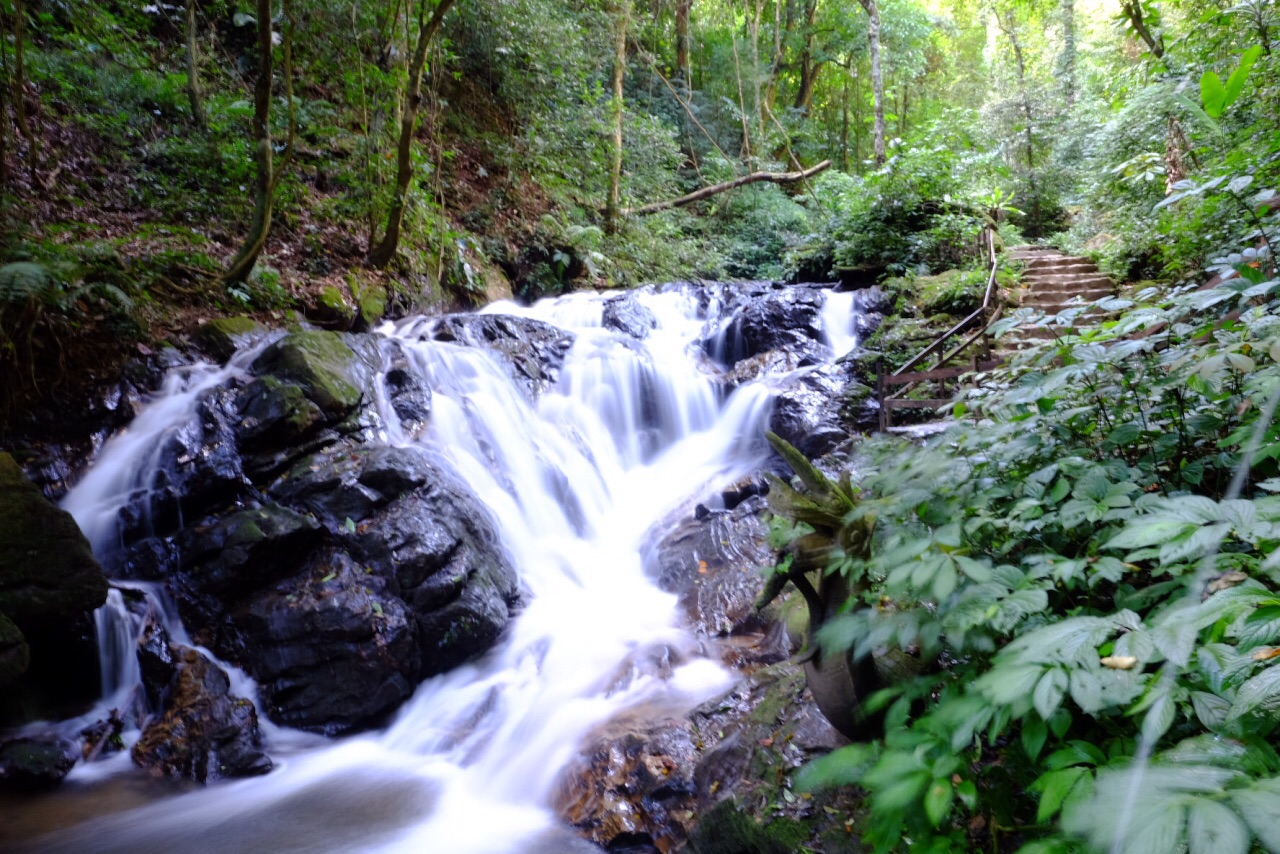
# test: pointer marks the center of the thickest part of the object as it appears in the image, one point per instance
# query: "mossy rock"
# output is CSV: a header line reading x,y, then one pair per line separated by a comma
x,y
726,830
372,305
15,656
322,364
275,412
48,574
332,308
221,338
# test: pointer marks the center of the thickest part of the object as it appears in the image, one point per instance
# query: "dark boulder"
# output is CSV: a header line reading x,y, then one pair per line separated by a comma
x,y
204,732
533,351
15,655
223,336
47,570
35,763
628,315
49,585
818,409
323,364
333,650
789,319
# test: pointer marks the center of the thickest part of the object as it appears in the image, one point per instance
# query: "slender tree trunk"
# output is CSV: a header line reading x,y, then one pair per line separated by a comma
x,y
808,68
757,90
382,254
20,77
844,119
775,66
612,209
193,70
1067,59
877,80
1132,9
857,123
1010,29
683,44
264,177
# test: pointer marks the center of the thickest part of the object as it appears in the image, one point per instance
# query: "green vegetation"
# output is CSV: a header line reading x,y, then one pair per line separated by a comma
x,y
1083,564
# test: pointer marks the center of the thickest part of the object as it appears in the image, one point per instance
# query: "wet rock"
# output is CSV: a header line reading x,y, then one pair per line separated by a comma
x,y
332,309
323,364
15,655
47,570
714,566
230,557
102,737
222,337
49,585
35,763
157,663
439,548
331,648
532,350
819,409
205,732
666,783
410,398
274,413
628,315
759,366
789,320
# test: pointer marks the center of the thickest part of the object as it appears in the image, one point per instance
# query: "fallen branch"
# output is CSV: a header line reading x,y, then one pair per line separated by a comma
x,y
707,192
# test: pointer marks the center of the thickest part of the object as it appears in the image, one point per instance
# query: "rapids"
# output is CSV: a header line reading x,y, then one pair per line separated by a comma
x,y
632,432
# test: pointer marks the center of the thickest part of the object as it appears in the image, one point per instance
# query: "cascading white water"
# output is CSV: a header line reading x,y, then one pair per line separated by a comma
x,y
632,430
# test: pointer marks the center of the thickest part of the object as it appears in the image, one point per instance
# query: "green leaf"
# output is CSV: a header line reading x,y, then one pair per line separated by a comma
x,y
937,801
1213,94
1261,693
1054,788
1212,828
841,767
967,792
1049,692
1075,753
1034,733
349,526
1260,804
1159,716
1235,83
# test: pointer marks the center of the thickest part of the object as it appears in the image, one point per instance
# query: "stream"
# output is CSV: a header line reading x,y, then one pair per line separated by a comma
x,y
632,432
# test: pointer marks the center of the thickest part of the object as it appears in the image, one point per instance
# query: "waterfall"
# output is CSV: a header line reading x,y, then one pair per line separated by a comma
x,y
632,431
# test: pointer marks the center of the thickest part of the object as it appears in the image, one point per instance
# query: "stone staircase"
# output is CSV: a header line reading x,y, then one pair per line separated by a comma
x,y
1050,283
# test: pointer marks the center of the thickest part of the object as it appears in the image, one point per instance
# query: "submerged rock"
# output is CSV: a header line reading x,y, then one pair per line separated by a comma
x,y
204,732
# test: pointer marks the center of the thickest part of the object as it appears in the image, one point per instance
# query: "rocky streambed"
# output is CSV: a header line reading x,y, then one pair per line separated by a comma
x,y
518,551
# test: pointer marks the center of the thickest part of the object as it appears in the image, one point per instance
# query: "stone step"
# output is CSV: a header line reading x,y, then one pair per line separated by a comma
x,y
1074,283
1085,309
1086,296
1061,269
1058,259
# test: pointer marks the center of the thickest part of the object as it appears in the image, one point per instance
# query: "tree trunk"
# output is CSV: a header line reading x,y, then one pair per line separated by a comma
x,y
844,119
20,77
683,45
193,70
1132,9
382,254
1067,59
612,207
264,177
808,68
877,80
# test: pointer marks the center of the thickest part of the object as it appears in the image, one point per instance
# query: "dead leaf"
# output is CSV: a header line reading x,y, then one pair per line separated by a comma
x,y
1119,662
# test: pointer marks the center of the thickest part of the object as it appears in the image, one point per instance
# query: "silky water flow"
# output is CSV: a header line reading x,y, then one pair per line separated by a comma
x,y
632,431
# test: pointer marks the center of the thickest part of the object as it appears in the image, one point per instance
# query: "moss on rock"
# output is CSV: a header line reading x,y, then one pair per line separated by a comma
x,y
322,364
48,574
222,337
15,656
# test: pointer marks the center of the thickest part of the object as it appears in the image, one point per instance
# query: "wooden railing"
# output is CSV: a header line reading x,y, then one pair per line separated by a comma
x,y
892,389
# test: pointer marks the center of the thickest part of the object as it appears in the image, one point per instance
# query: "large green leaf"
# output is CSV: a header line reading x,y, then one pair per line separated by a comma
x,y
1235,83
1213,94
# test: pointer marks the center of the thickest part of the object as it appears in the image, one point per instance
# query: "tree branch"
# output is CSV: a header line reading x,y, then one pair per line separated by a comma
x,y
707,192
